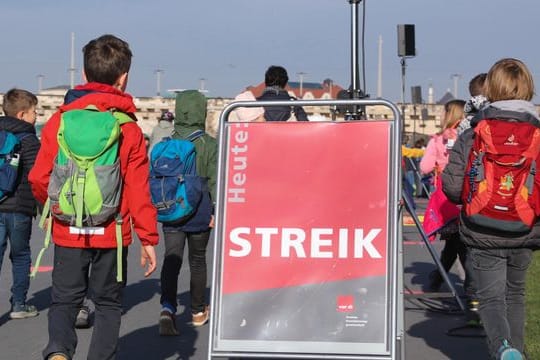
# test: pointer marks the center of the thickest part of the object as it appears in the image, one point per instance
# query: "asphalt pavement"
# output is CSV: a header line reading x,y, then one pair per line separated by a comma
x,y
433,326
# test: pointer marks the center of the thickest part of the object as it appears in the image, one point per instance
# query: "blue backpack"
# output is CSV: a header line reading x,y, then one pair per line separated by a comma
x,y
175,187
9,161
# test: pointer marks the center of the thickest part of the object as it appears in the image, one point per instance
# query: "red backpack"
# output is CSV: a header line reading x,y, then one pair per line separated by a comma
x,y
500,189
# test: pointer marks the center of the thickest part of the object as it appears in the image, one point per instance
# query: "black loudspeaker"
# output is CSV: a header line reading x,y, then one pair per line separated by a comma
x,y
416,94
405,37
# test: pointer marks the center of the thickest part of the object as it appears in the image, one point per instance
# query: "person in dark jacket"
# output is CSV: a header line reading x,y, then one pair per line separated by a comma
x,y
190,117
18,209
498,261
275,80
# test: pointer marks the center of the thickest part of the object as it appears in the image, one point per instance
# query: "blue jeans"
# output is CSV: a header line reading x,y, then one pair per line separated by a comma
x,y
499,276
17,227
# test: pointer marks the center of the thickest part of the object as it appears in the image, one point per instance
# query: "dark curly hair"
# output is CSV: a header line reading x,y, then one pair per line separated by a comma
x,y
276,76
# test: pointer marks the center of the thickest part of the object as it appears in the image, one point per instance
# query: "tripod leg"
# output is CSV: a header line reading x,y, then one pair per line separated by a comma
x,y
417,173
433,253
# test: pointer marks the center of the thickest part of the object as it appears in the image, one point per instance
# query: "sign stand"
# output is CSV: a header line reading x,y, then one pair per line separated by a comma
x,y
308,250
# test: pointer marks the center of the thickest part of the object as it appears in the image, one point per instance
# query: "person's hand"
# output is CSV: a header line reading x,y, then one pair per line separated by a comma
x,y
211,225
148,259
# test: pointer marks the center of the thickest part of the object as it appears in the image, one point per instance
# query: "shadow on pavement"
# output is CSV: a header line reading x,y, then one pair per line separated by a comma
x,y
139,292
420,276
435,328
41,299
146,342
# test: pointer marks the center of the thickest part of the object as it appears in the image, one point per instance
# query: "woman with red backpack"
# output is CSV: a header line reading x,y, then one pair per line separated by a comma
x,y
498,259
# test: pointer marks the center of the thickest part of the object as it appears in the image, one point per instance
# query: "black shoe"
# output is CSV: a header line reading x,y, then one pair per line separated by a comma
x,y
167,324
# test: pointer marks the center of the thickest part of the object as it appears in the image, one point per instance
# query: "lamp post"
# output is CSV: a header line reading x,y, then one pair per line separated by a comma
x,y
202,84
456,78
72,68
40,82
158,73
301,74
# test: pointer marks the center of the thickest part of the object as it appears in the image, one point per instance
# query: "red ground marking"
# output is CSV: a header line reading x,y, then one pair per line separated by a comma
x,y
409,221
43,268
413,242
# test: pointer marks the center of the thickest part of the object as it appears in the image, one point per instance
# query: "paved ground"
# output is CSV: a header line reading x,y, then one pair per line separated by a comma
x,y
427,321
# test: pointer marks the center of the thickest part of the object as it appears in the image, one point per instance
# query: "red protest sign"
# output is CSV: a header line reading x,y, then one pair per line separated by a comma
x,y
305,204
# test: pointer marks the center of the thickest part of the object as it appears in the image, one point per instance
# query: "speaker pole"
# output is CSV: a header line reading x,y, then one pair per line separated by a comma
x,y
403,66
354,91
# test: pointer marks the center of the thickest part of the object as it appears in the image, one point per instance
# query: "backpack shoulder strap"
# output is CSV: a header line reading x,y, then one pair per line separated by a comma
x,y
195,135
122,117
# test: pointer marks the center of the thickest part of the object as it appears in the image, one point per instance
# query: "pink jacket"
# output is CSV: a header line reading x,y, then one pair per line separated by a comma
x,y
437,151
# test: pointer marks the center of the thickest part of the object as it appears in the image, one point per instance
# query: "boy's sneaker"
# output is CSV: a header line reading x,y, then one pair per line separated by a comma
x,y
23,311
82,321
57,356
167,324
506,352
200,318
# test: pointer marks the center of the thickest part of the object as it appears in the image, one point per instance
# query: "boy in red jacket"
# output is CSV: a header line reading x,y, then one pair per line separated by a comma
x,y
87,260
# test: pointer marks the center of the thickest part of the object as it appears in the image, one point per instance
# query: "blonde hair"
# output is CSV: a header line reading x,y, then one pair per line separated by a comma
x,y
454,113
509,79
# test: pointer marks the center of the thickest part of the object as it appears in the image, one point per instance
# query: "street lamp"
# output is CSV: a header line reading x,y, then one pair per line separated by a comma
x,y
456,78
301,74
40,82
202,82
158,73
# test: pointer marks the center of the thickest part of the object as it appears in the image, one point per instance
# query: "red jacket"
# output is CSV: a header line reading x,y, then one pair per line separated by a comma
x,y
136,207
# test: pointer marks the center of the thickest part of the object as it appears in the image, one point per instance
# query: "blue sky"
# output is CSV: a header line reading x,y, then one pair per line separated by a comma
x,y
230,43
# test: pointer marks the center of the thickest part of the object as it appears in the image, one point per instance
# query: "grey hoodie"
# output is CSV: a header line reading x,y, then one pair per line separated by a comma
x,y
163,129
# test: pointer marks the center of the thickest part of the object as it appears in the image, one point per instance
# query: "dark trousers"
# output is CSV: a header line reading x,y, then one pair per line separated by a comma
x,y
453,249
77,271
174,252
499,276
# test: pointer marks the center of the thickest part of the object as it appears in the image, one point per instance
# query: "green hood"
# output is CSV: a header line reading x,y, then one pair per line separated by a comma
x,y
190,112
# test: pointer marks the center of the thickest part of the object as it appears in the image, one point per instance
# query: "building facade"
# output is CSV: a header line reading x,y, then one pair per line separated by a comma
x,y
422,120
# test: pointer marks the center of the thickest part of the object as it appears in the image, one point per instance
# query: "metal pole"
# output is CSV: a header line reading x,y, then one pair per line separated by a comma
x,y
40,82
301,75
379,72
158,73
433,253
355,76
72,63
354,91
456,78
403,66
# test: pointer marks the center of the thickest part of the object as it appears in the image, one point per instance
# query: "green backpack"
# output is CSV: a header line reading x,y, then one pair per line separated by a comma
x,y
86,183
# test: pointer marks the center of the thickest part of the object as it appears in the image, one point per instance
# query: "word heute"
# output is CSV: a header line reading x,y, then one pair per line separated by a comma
x,y
239,148
323,242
